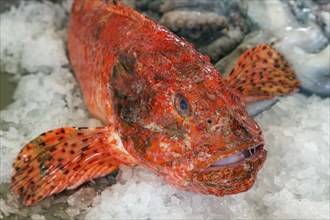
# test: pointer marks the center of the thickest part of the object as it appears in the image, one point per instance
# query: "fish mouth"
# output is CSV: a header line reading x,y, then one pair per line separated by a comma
x,y
236,159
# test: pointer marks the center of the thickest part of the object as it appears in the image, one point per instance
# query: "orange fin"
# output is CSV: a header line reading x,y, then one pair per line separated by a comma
x,y
64,159
262,73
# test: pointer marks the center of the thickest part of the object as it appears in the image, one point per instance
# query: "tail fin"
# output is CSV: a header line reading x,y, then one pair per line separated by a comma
x,y
64,159
262,73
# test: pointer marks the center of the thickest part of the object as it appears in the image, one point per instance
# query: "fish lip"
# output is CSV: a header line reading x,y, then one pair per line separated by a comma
x,y
259,153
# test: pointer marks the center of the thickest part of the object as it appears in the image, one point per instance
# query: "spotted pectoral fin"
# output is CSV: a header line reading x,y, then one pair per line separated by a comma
x,y
64,159
262,73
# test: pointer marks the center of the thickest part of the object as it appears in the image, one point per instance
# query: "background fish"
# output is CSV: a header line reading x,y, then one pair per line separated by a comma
x,y
164,105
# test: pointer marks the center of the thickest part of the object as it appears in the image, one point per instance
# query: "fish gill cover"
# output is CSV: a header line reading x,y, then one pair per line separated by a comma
x,y
293,184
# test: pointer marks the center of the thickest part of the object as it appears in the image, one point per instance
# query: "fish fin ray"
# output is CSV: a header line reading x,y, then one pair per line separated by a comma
x,y
262,73
64,159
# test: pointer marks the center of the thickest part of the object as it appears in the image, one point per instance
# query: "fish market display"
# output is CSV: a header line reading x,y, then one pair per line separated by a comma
x,y
164,105
293,183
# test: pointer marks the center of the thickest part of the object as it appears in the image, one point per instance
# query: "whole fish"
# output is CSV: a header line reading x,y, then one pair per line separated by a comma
x,y
163,104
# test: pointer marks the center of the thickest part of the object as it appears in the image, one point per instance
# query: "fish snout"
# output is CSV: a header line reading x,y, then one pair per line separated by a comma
x,y
240,130
229,126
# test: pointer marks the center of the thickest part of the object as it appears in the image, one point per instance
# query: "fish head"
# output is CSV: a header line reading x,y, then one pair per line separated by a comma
x,y
189,127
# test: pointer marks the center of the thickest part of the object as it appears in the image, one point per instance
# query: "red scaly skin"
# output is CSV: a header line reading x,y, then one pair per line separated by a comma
x,y
131,70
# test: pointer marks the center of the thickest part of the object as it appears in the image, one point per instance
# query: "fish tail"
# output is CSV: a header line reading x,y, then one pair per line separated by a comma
x,y
262,73
64,159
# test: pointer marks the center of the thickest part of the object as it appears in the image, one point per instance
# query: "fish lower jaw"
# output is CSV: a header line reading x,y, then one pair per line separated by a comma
x,y
236,159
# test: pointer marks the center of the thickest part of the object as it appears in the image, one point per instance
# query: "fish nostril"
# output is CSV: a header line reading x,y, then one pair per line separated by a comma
x,y
209,121
215,125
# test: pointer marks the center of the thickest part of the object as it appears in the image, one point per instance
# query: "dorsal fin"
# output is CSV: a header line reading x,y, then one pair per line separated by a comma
x,y
262,73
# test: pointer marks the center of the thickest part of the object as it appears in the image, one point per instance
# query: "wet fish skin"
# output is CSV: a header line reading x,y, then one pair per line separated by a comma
x,y
164,106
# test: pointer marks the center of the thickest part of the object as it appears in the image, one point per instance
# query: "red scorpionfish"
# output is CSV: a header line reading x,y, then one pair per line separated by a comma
x,y
163,104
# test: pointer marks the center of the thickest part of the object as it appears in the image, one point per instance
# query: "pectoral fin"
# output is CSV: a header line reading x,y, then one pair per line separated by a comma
x,y
262,73
64,159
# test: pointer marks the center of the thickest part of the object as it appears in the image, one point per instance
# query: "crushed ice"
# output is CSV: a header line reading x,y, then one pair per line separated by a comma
x,y
294,182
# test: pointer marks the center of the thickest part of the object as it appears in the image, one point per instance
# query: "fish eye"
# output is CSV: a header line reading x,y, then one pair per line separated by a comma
x,y
181,105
